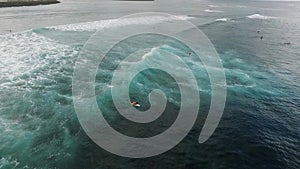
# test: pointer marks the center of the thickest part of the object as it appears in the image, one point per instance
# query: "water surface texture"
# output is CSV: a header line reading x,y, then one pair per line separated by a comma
x,y
260,126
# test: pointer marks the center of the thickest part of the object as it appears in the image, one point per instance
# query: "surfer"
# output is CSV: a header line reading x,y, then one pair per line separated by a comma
x,y
261,37
134,103
189,53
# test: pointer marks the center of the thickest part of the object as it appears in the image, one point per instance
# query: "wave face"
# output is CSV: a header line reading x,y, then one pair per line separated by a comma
x,y
39,127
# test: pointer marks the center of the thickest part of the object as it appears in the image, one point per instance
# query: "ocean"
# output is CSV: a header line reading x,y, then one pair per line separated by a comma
x,y
260,124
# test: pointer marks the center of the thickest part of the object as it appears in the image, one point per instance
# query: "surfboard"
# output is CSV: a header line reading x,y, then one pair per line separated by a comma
x,y
135,105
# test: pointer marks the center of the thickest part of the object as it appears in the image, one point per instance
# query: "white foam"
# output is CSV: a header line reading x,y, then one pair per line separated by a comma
x,y
110,86
149,53
110,23
258,16
213,6
212,11
222,19
8,162
241,86
6,125
27,52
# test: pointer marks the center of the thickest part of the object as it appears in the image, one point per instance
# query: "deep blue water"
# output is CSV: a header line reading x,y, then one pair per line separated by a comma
x,y
259,128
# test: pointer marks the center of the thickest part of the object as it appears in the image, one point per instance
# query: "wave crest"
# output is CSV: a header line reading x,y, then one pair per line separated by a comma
x,y
110,23
212,11
258,16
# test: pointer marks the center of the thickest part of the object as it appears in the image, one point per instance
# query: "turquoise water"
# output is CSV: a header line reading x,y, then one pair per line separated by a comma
x,y
259,128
